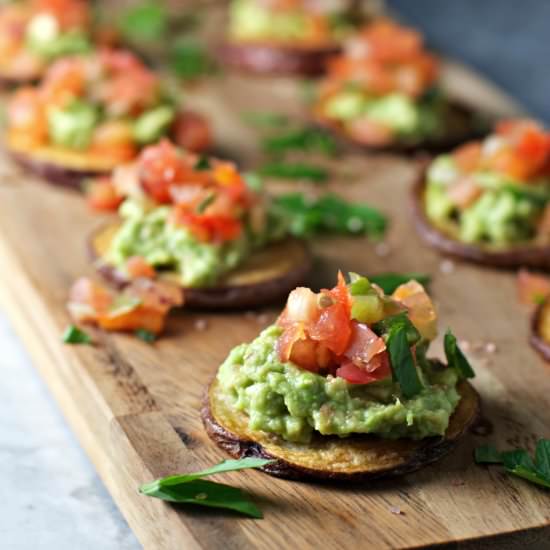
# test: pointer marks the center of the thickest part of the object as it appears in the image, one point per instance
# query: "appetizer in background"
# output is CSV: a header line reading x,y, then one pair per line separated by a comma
x,y
383,92
534,291
340,386
91,113
489,201
282,36
34,33
194,221
142,306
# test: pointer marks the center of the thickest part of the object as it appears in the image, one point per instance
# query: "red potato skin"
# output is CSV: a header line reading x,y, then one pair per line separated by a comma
x,y
272,60
533,256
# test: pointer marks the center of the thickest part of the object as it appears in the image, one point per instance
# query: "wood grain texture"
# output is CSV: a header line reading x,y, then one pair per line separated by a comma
x,y
135,407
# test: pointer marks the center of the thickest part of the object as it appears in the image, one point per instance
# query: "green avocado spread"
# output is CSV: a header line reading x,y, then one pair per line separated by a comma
x,y
294,403
250,21
505,212
148,232
408,118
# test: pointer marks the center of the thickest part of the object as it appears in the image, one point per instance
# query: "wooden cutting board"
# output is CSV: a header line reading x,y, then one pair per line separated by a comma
x,y
135,407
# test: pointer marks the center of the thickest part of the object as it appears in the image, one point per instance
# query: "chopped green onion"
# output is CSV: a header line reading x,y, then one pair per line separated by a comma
x,y
202,164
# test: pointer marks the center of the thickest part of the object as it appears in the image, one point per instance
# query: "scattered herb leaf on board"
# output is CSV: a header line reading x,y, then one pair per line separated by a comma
x,y
192,489
144,22
145,335
301,139
455,358
329,214
189,59
265,120
294,171
74,335
519,462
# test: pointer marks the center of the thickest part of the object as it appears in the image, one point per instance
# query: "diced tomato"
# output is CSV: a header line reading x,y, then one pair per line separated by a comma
x,y
69,13
114,138
391,42
140,317
464,192
65,79
137,266
364,346
333,327
192,132
102,195
468,156
160,166
370,132
159,295
532,288
206,227
420,308
356,375
120,60
87,298
27,116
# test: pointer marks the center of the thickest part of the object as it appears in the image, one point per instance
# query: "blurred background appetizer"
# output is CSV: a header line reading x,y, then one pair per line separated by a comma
x,y
384,92
489,201
287,36
35,32
92,112
194,221
540,329
336,366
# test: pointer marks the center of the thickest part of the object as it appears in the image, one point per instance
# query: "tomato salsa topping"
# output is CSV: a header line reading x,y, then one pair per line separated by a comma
x,y
383,86
108,104
34,32
496,190
342,331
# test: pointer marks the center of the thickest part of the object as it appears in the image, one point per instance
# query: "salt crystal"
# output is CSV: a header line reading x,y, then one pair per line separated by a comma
x,y
201,324
446,266
382,249
397,511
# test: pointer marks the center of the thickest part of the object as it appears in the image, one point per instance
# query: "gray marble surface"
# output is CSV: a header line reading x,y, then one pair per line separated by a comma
x,y
51,497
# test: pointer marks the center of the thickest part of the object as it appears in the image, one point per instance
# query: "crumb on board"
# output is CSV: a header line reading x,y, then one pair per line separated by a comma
x,y
382,249
201,324
446,267
397,511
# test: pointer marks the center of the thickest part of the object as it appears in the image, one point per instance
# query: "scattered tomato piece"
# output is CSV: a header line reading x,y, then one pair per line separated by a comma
x,y
102,195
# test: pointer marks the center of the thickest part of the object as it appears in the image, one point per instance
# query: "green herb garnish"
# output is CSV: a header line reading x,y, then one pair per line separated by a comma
x,y
145,22
519,462
202,164
74,335
145,335
266,120
302,139
189,60
388,282
455,358
386,325
329,214
192,489
402,360
295,171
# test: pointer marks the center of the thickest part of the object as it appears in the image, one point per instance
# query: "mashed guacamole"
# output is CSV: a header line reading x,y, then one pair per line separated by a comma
x,y
292,402
146,231
505,212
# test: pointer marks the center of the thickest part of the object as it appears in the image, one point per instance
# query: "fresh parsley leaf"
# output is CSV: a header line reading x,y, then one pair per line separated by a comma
x,y
518,462
455,358
266,120
402,361
294,171
145,335
74,335
487,454
202,164
189,59
191,489
542,457
329,214
301,139
145,22
388,282
385,326
208,493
